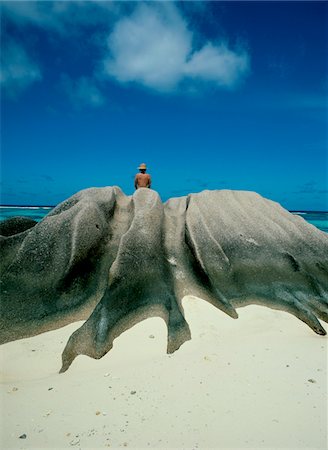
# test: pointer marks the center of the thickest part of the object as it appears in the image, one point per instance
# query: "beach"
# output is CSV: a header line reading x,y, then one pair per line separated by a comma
x,y
163,225
256,382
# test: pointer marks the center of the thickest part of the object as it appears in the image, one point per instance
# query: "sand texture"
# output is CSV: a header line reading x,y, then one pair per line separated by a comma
x,y
104,271
256,382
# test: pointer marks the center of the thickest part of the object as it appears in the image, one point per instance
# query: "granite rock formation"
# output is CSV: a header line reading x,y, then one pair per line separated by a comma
x,y
16,225
116,260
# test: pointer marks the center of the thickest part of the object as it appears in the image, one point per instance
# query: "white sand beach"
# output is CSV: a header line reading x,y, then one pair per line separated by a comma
x,y
256,382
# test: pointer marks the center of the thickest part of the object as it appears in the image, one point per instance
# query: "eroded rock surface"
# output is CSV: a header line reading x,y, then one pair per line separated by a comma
x,y
115,260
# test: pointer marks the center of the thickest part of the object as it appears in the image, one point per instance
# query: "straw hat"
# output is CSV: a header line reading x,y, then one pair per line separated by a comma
x,y
142,166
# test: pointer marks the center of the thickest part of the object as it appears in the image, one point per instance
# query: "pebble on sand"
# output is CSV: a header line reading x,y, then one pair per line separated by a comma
x,y
75,441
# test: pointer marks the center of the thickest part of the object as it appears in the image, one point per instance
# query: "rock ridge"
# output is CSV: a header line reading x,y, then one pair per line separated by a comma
x,y
115,260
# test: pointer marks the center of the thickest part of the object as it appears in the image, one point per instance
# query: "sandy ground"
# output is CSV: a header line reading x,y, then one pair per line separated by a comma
x,y
256,382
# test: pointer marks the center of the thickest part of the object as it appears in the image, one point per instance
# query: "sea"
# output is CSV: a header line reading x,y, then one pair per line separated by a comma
x,y
317,218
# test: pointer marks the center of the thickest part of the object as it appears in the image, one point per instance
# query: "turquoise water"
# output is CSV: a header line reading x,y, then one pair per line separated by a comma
x,y
316,218
33,212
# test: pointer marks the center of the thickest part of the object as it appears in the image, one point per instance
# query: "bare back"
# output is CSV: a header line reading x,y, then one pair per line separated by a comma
x,y
142,180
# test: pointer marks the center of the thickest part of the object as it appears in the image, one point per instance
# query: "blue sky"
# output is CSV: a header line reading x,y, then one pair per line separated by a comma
x,y
210,95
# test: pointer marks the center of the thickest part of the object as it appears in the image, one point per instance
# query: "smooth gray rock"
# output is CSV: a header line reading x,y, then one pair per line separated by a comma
x,y
116,260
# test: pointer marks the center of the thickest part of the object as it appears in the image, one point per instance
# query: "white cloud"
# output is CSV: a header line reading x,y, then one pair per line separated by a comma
x,y
38,13
64,17
149,47
17,71
82,92
154,47
218,64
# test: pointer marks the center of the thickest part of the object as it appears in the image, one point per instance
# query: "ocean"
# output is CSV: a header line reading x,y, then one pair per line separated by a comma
x,y
32,212
317,218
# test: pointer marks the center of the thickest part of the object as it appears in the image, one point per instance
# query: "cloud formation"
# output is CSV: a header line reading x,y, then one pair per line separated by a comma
x,y
149,44
218,64
17,70
154,47
82,92
63,17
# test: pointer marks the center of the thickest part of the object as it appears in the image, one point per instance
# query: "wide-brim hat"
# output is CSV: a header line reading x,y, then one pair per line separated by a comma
x,y
142,166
